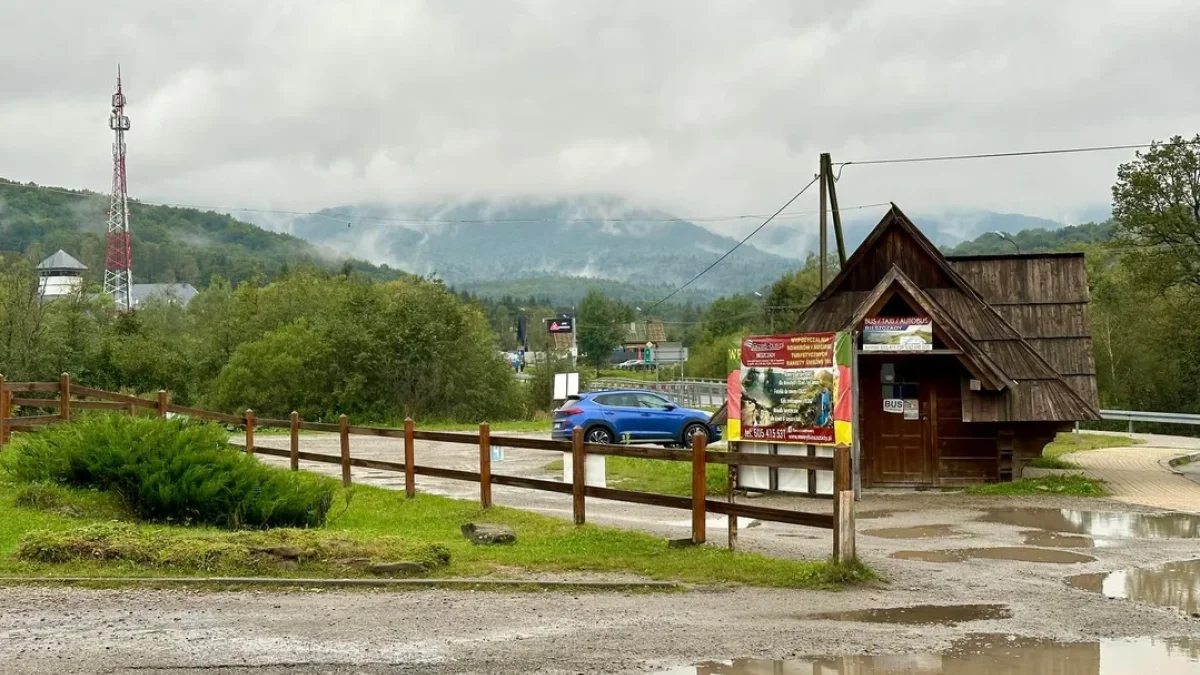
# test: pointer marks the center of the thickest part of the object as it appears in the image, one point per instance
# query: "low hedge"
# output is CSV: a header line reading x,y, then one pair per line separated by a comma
x,y
169,471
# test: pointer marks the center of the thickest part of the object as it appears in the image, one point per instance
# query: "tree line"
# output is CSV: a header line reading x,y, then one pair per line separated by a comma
x,y
304,337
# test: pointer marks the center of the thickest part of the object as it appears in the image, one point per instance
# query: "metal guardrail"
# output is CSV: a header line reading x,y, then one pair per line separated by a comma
x,y
1132,416
693,393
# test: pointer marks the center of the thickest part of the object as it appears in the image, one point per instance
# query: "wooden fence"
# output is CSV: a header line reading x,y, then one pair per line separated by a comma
x,y
24,395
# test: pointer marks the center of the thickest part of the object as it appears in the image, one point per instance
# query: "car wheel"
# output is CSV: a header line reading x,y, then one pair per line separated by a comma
x,y
692,431
598,435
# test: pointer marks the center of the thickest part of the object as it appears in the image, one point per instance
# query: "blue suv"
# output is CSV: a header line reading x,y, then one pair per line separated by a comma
x,y
631,417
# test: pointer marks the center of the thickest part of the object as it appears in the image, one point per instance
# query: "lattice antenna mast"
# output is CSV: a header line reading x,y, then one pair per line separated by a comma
x,y
118,259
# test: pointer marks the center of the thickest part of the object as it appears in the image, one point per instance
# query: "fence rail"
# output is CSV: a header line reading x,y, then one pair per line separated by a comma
x,y
699,457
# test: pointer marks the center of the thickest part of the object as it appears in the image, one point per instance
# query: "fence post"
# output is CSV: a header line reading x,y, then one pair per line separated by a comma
x,y
1131,426
732,486
344,429
843,506
64,397
410,483
295,438
699,486
4,413
485,465
578,470
249,432
133,410
162,403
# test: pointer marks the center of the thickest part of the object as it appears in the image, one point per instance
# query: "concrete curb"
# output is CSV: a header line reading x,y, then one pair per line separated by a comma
x,y
452,584
1169,465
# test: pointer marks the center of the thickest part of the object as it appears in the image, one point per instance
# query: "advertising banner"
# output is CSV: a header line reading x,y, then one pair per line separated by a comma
x,y
563,324
898,334
795,389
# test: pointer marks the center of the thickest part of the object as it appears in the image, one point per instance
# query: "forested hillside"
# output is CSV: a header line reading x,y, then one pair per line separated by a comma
x,y
1035,240
169,244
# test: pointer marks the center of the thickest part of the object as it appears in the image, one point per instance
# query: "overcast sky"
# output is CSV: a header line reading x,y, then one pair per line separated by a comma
x,y
701,108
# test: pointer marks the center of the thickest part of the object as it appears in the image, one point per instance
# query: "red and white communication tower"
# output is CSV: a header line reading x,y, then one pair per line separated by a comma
x,y
118,260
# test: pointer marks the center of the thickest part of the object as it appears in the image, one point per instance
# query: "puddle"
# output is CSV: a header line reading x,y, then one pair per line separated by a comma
x,y
940,615
918,532
870,515
1017,553
1105,524
1175,584
989,655
1057,540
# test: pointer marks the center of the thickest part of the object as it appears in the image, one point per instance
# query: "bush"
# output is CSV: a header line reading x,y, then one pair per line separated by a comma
x,y
165,548
170,471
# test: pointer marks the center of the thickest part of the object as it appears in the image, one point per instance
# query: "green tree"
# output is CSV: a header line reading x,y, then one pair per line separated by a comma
x,y
791,295
602,324
1156,209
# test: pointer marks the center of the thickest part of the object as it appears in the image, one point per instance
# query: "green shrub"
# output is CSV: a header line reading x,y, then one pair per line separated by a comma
x,y
1051,463
208,551
170,471
39,496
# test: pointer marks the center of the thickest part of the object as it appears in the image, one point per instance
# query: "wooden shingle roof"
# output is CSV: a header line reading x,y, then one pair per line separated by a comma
x,y
1025,315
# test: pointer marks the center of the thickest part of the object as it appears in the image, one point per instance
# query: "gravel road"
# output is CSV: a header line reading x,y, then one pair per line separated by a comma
x,y
68,630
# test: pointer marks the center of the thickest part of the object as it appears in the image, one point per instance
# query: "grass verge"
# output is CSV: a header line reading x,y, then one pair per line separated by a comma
x,y
74,529
1074,486
1068,442
656,475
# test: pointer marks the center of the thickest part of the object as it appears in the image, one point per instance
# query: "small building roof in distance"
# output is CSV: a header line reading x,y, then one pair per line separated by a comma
x,y
61,261
181,293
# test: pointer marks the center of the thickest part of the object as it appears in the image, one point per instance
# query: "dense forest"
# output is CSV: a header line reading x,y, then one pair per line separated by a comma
x,y
1069,238
169,244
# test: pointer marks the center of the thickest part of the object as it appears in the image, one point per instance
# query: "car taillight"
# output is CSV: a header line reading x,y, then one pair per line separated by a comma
x,y
567,412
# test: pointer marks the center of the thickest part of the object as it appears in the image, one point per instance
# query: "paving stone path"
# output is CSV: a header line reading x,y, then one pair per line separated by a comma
x,y
1138,475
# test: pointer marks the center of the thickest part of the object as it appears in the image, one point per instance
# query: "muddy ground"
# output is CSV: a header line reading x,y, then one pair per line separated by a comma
x,y
62,631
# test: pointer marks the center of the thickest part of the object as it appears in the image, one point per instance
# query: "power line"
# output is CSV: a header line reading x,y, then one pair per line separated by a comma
x,y
735,246
1024,153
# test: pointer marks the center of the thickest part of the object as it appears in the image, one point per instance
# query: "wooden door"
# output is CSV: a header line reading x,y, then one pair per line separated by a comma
x,y
896,442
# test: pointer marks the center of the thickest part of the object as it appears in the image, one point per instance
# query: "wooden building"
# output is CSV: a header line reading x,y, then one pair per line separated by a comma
x,y
1010,363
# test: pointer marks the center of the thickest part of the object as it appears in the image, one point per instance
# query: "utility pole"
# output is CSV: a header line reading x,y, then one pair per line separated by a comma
x,y
831,186
824,222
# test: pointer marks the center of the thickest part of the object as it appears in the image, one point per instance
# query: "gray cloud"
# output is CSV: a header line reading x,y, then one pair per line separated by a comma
x,y
699,108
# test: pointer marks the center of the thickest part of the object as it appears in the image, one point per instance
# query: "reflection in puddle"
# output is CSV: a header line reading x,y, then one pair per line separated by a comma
x,y
1017,553
942,615
990,655
919,532
1057,539
1175,584
1113,525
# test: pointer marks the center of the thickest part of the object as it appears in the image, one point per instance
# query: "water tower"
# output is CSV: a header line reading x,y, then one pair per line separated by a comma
x,y
60,275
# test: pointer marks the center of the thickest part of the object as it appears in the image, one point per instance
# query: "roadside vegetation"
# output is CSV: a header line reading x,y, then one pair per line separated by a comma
x,y
1068,442
1071,486
75,519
